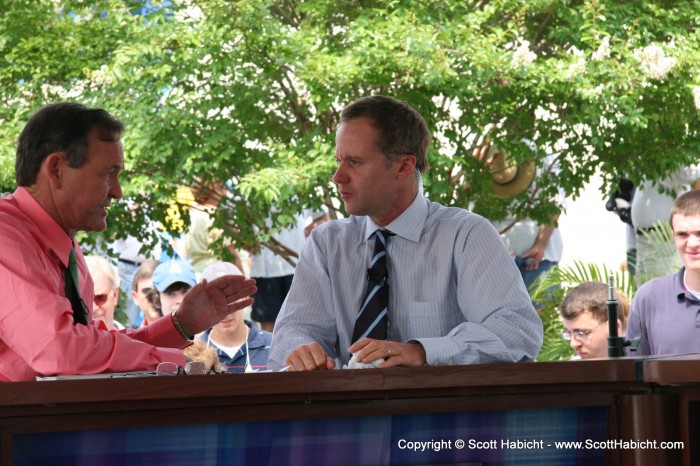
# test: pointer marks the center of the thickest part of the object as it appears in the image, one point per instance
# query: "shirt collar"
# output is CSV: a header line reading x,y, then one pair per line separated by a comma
x,y
408,225
255,338
679,285
52,234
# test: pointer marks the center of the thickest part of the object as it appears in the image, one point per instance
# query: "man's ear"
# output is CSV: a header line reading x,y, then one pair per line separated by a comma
x,y
408,165
54,167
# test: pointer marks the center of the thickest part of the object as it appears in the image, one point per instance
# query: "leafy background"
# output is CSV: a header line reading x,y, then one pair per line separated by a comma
x,y
250,91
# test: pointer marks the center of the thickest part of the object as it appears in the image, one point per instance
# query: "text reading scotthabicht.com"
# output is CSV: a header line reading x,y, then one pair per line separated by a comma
x,y
472,444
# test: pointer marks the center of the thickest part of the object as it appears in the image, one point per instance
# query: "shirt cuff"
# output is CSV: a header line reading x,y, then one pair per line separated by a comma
x,y
163,333
438,351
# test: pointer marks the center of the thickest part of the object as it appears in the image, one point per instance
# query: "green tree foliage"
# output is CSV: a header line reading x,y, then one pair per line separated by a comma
x,y
250,91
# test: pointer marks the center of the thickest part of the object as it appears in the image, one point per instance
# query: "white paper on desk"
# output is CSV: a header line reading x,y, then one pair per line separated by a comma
x,y
353,364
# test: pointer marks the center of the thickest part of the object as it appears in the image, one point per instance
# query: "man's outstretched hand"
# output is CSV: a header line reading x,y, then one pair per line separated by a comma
x,y
207,303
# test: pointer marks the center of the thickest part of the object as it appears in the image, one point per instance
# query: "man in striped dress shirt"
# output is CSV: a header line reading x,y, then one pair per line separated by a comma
x,y
455,295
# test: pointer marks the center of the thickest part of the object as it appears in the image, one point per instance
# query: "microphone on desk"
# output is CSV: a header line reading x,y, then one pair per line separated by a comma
x,y
616,344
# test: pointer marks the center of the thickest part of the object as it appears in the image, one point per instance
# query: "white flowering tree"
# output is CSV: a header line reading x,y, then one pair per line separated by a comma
x,y
251,91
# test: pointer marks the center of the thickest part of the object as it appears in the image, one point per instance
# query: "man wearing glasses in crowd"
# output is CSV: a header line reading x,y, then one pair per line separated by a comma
x,y
584,314
106,281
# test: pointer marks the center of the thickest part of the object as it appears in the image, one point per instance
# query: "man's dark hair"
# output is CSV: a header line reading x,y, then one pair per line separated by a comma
x,y
153,297
178,286
61,127
400,129
592,296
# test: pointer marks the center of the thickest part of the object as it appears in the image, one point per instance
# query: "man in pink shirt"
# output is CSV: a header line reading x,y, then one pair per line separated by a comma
x,y
67,168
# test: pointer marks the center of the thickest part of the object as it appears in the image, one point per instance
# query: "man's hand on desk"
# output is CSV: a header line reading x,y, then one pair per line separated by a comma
x,y
393,352
312,357
309,357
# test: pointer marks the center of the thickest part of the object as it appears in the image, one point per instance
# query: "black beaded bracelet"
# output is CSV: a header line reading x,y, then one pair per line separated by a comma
x,y
177,325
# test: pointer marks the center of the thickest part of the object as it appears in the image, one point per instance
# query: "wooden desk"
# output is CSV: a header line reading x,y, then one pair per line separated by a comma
x,y
617,387
678,377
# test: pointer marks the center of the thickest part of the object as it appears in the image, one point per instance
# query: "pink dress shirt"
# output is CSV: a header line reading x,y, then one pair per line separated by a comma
x,y
37,334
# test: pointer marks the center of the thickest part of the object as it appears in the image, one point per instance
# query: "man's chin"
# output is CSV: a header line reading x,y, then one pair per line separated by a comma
x,y
355,210
691,264
100,225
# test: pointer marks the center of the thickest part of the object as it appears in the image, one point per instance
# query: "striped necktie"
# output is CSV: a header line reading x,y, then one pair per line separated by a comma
x,y
373,317
80,311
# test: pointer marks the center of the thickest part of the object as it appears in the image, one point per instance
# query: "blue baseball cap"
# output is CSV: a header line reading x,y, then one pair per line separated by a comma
x,y
171,272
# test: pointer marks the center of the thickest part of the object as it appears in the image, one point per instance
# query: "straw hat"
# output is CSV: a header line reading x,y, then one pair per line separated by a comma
x,y
509,179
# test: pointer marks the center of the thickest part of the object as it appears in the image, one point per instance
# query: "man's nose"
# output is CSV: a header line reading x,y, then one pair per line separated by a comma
x,y
339,176
694,240
115,191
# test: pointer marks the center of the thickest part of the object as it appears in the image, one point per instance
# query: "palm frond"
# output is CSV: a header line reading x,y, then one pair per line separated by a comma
x,y
569,276
661,239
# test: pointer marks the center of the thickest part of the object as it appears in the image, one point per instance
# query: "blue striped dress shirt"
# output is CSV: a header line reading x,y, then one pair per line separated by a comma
x,y
452,286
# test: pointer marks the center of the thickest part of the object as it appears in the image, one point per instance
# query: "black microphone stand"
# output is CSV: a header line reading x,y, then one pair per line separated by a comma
x,y
616,344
